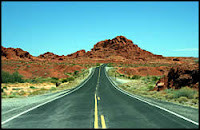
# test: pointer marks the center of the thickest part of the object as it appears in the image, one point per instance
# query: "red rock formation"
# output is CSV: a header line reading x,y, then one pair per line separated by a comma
x,y
48,55
180,76
12,53
77,54
120,46
118,49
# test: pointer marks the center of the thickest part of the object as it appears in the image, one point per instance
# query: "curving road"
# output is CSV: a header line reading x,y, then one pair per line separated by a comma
x,y
96,104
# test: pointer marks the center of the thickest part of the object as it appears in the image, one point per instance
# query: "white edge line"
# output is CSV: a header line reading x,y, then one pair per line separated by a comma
x,y
45,102
196,123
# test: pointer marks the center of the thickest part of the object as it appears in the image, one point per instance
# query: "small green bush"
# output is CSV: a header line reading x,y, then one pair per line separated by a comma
x,y
97,64
121,75
182,99
67,79
110,64
194,101
43,80
32,87
184,92
136,77
6,77
15,88
52,88
54,78
40,91
76,72
169,96
5,88
155,78
12,95
169,91
150,87
64,80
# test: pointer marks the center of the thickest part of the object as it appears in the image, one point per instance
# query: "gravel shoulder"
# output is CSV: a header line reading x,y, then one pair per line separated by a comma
x,y
186,111
13,106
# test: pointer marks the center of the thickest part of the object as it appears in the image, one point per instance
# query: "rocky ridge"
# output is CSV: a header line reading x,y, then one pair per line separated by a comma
x,y
119,47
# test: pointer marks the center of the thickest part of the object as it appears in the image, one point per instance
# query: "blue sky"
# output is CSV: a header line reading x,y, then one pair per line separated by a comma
x,y
164,28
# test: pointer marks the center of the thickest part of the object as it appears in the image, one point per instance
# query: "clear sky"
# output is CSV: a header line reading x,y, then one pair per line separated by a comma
x,y
164,28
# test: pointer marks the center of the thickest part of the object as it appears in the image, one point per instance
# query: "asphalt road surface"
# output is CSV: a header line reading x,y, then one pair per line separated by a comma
x,y
97,104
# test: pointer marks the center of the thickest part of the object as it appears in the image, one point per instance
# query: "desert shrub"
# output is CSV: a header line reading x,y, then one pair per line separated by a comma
x,y
76,72
32,87
15,88
70,79
54,78
54,81
17,77
39,80
6,77
22,92
42,80
182,99
194,101
68,73
143,92
3,95
97,64
5,88
169,91
67,79
136,77
150,87
12,95
169,96
196,96
40,91
64,80
110,64
52,88
146,79
121,75
150,79
184,92
155,78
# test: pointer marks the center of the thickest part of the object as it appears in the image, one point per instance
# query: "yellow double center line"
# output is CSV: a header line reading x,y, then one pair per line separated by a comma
x,y
96,125
103,124
96,114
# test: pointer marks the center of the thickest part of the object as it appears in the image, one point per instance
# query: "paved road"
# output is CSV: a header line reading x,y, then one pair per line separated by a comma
x,y
97,104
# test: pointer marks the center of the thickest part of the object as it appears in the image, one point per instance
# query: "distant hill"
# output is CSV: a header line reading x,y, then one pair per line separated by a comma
x,y
117,48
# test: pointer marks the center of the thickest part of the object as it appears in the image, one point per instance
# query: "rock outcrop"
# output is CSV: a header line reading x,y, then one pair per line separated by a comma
x,y
180,76
51,56
120,46
12,53
77,54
